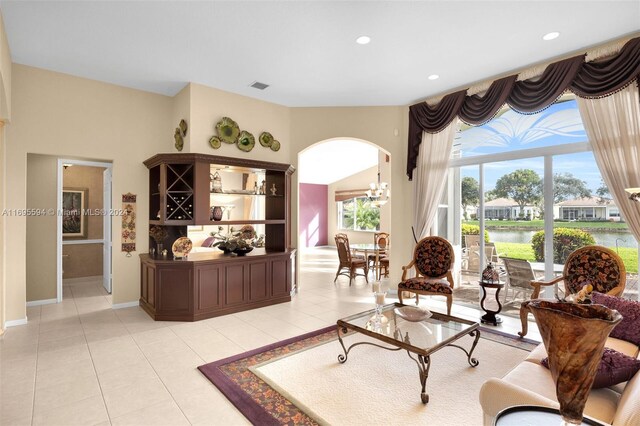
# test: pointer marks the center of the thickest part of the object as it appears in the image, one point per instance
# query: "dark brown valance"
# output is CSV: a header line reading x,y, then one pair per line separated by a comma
x,y
478,109
531,96
588,80
348,194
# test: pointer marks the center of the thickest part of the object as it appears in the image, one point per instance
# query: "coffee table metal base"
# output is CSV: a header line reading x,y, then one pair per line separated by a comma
x,y
422,361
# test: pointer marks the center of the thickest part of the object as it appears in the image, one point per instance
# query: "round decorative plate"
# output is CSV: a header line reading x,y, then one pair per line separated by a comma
x,y
275,146
215,142
183,127
412,313
181,247
179,141
266,139
246,141
227,130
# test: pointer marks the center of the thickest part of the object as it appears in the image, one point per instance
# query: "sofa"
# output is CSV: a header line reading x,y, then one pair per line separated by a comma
x,y
530,383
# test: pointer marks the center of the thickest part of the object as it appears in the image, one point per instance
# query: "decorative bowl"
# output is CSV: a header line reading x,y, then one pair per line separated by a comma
x,y
242,251
412,313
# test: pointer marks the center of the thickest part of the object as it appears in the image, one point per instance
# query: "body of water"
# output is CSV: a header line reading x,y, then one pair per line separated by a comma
x,y
607,239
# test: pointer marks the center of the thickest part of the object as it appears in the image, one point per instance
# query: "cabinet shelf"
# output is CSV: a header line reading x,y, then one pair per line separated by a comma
x,y
248,222
235,194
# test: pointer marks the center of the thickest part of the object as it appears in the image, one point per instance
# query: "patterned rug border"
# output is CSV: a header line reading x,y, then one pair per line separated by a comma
x,y
261,404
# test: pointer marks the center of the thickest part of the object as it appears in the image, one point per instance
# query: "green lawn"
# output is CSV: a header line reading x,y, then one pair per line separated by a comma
x,y
539,224
524,251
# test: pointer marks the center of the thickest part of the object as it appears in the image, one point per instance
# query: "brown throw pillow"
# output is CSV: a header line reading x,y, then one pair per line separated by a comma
x,y
615,367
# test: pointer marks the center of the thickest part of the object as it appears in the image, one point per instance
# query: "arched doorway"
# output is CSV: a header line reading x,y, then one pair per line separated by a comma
x,y
333,175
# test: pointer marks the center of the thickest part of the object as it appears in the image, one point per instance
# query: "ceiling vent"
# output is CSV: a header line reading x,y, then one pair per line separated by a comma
x,y
258,85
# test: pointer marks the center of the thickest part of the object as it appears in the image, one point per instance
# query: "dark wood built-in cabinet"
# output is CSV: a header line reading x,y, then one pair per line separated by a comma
x,y
213,283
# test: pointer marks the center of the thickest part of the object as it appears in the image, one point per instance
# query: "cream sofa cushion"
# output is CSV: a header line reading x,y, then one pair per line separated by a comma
x,y
628,413
626,348
533,377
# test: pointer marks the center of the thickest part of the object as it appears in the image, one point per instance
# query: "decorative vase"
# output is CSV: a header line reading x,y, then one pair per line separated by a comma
x,y
159,248
216,213
574,336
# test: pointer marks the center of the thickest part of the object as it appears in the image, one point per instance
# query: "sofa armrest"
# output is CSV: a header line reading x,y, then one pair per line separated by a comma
x,y
497,394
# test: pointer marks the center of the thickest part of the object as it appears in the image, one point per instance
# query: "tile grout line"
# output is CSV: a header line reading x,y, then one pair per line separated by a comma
x,y
158,375
35,374
84,334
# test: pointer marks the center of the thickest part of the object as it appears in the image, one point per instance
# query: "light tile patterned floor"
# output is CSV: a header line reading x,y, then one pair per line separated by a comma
x,y
81,363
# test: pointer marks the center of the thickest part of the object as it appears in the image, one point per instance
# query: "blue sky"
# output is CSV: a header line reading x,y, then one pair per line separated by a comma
x,y
558,124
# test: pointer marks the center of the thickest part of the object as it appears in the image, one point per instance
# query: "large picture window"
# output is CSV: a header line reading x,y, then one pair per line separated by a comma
x,y
358,214
520,179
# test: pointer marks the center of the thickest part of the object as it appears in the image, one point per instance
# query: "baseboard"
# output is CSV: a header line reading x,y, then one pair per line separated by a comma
x,y
41,302
125,305
14,323
81,279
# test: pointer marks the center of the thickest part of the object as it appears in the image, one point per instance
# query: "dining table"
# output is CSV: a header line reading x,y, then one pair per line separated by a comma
x,y
374,249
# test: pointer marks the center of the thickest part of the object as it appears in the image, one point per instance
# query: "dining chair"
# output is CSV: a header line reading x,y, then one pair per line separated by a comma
x,y
353,252
347,263
380,239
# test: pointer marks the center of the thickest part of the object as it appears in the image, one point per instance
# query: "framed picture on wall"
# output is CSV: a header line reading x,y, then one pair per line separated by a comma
x,y
74,205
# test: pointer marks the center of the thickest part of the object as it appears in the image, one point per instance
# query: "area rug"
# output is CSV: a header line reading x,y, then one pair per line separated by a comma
x,y
299,381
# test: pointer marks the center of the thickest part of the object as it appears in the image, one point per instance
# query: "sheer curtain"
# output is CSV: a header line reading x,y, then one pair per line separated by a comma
x,y
613,127
430,176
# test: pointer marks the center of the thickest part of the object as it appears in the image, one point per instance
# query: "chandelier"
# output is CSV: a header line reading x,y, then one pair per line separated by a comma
x,y
378,192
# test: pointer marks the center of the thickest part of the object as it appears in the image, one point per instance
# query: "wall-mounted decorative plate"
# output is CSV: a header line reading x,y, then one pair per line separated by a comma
x,y
246,141
183,127
215,142
179,140
266,139
275,146
227,130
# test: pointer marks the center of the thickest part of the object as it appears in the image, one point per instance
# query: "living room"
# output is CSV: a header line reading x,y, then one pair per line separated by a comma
x,y
109,82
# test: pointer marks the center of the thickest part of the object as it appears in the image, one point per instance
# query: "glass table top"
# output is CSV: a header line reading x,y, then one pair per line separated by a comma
x,y
426,335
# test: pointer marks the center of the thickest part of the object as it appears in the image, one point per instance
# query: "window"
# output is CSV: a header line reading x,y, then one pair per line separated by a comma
x,y
358,214
527,175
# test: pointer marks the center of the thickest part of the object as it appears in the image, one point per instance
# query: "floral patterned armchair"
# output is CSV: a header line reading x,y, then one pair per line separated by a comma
x,y
433,259
596,265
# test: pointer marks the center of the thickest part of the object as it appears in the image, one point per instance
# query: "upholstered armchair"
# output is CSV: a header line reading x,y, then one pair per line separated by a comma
x,y
433,260
596,265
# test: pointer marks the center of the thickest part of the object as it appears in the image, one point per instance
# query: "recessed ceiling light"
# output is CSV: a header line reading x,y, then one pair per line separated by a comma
x,y
551,36
363,39
433,77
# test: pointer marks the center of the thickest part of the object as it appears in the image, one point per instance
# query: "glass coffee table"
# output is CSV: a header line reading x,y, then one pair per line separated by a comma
x,y
420,338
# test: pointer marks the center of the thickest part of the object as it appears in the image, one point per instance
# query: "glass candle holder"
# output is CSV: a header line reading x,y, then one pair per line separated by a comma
x,y
380,296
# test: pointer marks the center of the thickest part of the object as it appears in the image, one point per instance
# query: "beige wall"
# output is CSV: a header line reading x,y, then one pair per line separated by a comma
x,y
181,110
41,230
3,268
84,260
379,126
65,116
209,105
61,115
5,115
81,260
5,74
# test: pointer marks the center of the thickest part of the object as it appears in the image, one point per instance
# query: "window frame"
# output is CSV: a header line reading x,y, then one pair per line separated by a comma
x,y
339,215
